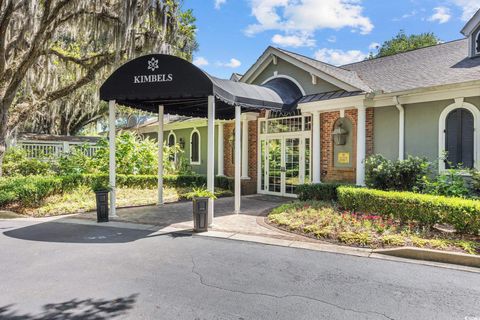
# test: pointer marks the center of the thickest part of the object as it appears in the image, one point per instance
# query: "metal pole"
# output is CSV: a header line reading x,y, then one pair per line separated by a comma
x,y
160,154
211,156
112,160
220,151
238,169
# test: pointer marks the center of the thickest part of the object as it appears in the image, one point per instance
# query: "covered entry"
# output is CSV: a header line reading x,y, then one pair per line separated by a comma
x,y
167,84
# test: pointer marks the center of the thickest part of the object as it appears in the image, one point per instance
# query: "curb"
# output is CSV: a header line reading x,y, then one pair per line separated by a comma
x,y
429,257
462,259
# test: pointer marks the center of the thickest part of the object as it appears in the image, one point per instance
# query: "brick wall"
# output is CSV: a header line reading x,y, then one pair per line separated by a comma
x,y
248,186
329,172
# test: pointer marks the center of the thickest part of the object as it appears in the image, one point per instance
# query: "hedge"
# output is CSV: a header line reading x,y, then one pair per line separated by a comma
x,y
427,210
318,192
31,190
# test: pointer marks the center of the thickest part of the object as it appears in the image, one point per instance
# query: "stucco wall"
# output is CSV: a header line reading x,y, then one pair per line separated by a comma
x,y
421,129
386,132
185,134
303,77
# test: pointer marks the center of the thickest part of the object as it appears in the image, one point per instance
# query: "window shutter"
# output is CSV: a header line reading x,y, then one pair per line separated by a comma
x,y
459,138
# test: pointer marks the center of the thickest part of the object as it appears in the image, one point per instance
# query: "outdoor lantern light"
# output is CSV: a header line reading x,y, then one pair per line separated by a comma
x,y
181,142
340,135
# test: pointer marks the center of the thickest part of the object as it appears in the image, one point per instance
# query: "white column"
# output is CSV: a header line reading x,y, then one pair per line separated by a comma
x,y
160,154
361,144
220,151
245,148
316,148
211,156
238,188
401,132
112,161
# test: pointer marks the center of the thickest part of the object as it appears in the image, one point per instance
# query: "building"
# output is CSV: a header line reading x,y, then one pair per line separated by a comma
x,y
424,102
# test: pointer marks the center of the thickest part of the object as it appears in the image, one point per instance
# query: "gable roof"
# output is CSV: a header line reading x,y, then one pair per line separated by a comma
x,y
471,25
336,72
344,79
442,64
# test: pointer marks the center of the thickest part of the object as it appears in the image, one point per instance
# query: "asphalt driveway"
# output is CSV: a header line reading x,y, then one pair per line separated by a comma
x,y
55,270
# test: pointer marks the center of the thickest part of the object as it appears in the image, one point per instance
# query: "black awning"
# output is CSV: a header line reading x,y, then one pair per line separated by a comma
x,y
183,89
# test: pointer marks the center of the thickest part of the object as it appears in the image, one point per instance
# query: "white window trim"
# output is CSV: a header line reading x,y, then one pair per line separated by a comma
x,y
199,147
286,77
174,142
459,103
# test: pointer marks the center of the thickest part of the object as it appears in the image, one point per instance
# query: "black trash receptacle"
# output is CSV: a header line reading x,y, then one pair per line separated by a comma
x,y
102,205
200,214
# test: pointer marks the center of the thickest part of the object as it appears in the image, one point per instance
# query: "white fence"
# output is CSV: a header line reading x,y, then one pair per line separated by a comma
x,y
41,150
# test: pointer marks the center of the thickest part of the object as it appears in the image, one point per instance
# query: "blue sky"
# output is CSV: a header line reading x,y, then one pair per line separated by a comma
x,y
233,33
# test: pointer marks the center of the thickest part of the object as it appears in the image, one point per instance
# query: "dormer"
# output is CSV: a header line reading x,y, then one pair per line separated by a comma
x,y
472,32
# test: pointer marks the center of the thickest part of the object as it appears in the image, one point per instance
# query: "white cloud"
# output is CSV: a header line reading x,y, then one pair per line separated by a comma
x,y
469,7
374,46
200,61
293,17
440,15
299,40
339,57
332,39
233,63
219,3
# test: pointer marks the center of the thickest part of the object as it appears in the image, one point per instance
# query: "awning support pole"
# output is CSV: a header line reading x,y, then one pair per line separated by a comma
x,y
211,156
112,161
160,154
245,148
238,168
220,150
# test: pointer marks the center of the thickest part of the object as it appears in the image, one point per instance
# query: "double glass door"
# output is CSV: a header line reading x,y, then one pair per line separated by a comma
x,y
284,164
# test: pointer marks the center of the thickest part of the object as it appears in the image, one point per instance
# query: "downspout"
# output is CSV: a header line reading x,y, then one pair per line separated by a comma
x,y
401,128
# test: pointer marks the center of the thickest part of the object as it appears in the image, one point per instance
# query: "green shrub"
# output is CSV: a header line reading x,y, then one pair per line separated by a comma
x,y
401,175
16,163
451,184
28,190
427,210
318,192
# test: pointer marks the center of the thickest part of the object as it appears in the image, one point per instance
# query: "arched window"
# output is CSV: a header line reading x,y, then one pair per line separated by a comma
x,y
459,139
171,141
477,43
195,147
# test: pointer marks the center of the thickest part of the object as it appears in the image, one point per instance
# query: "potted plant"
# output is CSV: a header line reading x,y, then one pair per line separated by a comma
x,y
200,197
101,189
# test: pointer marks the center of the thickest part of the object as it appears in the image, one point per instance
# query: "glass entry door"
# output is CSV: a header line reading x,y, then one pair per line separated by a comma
x,y
284,165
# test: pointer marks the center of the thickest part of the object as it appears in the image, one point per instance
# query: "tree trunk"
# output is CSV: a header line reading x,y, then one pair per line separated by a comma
x,y
3,134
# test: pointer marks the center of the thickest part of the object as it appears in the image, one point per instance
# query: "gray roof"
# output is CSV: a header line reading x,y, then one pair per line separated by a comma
x,y
343,75
446,63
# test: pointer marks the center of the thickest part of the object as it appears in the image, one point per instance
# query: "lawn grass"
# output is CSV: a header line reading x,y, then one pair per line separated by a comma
x,y
83,200
322,220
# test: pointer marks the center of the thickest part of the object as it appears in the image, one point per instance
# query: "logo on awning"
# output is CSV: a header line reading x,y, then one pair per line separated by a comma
x,y
153,64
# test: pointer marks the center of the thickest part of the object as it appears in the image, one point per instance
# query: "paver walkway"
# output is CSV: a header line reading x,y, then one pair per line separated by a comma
x,y
179,215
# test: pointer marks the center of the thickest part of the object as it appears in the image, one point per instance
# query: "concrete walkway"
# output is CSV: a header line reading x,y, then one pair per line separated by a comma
x,y
179,215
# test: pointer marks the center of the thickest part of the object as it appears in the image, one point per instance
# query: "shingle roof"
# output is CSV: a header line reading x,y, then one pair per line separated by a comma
x,y
446,63
343,75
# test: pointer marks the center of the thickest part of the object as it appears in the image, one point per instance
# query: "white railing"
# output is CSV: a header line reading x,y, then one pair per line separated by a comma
x,y
42,150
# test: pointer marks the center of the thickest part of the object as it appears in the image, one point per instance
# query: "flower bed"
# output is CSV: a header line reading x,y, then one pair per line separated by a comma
x,y
324,221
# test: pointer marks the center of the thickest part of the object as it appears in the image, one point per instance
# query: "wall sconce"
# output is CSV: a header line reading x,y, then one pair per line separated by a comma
x,y
340,135
181,142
